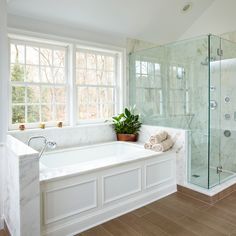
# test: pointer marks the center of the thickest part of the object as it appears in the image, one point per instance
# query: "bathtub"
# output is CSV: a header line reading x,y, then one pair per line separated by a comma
x,y
85,186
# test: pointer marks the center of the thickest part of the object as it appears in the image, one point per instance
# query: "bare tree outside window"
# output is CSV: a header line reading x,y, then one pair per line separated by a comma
x,y
38,82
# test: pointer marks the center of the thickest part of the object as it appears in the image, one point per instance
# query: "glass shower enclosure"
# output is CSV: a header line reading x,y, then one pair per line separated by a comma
x,y
190,85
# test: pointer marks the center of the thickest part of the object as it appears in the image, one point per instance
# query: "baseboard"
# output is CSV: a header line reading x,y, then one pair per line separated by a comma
x,y
81,224
206,198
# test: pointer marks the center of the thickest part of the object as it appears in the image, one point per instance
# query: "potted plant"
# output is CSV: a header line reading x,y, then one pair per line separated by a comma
x,y
127,125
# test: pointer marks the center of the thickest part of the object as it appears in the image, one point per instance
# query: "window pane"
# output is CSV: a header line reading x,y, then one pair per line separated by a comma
x,y
33,114
18,94
47,113
32,55
110,63
92,112
42,64
111,78
91,77
81,76
82,110
32,74
60,95
91,61
17,73
111,110
81,60
33,94
106,95
47,74
18,114
107,110
59,58
45,56
59,75
17,54
93,95
101,78
98,69
82,94
138,67
47,94
100,62
103,95
60,112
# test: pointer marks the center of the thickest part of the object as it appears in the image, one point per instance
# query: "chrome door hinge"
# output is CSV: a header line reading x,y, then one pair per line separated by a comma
x,y
219,169
219,52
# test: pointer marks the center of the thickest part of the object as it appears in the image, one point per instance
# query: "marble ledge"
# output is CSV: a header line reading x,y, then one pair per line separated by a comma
x,y
20,149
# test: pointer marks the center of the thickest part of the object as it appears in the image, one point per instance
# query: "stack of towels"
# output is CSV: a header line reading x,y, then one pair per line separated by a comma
x,y
160,142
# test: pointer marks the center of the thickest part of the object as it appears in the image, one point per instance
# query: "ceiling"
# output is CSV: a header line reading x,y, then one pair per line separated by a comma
x,y
158,21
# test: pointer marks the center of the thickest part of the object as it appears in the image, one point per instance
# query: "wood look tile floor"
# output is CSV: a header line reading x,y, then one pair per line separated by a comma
x,y
177,215
2,233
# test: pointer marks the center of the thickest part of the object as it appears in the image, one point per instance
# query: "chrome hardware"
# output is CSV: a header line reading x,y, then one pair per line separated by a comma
x,y
219,169
227,116
227,99
212,88
219,52
227,133
213,104
47,144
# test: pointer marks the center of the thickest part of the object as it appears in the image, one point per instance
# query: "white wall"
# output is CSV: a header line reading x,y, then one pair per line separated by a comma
x,y
219,18
27,24
3,93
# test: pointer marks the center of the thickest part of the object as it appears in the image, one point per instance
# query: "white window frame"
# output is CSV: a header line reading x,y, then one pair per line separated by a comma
x,y
51,45
116,86
72,44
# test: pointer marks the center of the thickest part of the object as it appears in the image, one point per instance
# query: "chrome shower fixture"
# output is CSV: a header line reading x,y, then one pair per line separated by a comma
x,y
47,144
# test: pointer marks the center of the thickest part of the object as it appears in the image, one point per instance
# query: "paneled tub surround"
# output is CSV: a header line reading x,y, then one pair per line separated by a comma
x,y
90,178
107,180
21,189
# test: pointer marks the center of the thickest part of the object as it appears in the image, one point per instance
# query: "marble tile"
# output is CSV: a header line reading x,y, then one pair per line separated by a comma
x,y
69,136
21,189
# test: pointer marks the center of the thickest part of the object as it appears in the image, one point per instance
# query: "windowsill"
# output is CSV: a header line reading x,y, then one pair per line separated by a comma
x,y
64,127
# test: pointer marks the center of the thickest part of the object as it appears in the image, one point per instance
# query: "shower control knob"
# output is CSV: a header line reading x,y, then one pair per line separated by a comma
x,y
227,133
227,99
227,116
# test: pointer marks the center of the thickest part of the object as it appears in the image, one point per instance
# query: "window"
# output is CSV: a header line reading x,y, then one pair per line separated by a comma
x,y
52,82
96,81
148,86
38,83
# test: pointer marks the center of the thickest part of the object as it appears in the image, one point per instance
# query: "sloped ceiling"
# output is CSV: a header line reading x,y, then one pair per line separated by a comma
x,y
158,21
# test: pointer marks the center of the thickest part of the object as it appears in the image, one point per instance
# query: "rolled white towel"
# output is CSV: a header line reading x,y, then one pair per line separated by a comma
x,y
158,138
163,146
148,146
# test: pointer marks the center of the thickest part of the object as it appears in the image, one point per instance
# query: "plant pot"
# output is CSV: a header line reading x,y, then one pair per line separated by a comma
x,y
127,137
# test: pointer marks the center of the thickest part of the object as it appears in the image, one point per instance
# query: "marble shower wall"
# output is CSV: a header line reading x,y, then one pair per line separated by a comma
x,y
169,85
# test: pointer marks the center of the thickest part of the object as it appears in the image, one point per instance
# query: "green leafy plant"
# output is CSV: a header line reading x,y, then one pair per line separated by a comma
x,y
127,122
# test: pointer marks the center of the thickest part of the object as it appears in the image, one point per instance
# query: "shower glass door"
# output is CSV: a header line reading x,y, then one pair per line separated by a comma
x,y
214,125
227,116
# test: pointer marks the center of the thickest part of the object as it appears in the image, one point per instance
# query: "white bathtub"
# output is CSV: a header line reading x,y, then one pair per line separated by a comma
x,y
85,186
81,159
